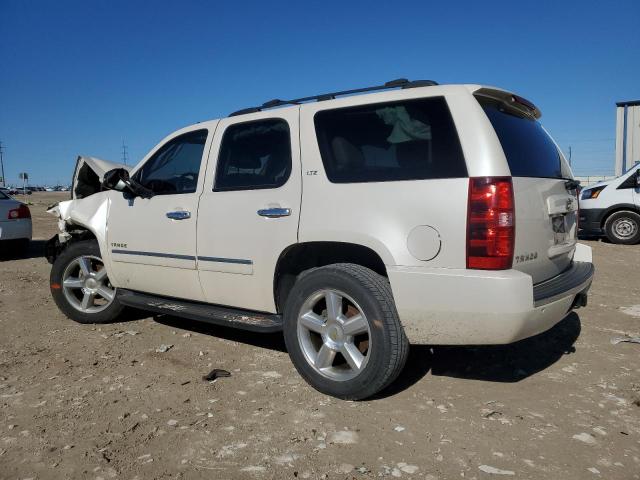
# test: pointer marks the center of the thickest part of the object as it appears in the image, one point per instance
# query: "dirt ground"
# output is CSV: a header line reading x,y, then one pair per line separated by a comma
x,y
85,401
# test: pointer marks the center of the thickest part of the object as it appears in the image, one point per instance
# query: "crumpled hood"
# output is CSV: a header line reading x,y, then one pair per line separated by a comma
x,y
89,173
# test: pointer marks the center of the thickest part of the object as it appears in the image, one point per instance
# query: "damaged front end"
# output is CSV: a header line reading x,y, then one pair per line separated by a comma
x,y
89,174
84,216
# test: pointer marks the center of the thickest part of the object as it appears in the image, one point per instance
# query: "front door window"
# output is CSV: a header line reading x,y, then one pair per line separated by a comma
x,y
174,168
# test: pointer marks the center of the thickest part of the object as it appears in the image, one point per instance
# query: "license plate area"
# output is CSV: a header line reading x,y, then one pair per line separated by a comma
x,y
559,227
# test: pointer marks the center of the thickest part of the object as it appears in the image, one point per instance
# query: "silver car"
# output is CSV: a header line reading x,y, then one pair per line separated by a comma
x,y
15,224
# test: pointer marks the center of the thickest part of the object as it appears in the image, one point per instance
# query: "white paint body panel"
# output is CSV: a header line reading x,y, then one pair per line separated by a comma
x,y
141,225
381,215
464,307
230,229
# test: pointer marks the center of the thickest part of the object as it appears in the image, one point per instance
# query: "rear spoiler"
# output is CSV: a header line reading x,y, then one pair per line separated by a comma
x,y
511,101
88,175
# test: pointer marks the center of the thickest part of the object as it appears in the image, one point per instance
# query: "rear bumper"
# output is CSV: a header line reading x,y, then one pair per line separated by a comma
x,y
591,221
473,307
15,229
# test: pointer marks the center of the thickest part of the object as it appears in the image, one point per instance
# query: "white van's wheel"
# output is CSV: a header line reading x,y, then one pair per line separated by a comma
x,y
623,227
342,331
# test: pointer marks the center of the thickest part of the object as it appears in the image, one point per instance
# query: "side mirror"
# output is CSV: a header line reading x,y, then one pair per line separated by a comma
x,y
116,179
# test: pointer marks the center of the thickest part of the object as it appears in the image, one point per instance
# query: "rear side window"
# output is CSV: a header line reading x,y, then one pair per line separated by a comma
x,y
407,140
529,150
254,155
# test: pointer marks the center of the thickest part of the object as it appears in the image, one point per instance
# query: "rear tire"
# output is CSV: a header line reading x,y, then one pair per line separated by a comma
x,y
623,227
80,286
342,331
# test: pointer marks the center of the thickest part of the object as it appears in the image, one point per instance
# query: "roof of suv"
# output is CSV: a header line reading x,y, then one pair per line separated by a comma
x,y
514,101
376,93
401,83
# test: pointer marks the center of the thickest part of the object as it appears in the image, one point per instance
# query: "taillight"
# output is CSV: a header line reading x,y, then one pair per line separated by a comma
x,y
490,223
21,212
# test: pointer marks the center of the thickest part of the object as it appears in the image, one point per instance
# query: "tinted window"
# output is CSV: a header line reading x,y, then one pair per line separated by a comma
x,y
174,168
254,155
3,196
408,140
528,148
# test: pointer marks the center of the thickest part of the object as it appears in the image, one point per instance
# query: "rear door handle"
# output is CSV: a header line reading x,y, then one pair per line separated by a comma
x,y
274,212
179,215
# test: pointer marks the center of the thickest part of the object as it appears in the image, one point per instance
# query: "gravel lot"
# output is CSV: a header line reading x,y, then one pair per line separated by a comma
x,y
83,401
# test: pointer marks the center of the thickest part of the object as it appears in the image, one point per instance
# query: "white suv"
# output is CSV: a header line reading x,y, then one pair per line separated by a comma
x,y
419,214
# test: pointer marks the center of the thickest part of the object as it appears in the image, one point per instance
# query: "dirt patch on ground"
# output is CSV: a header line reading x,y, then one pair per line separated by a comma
x,y
83,401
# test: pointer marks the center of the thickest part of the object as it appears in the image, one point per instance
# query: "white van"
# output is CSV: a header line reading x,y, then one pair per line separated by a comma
x,y
612,208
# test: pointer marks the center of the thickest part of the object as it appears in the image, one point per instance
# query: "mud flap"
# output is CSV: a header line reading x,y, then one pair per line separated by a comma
x,y
52,249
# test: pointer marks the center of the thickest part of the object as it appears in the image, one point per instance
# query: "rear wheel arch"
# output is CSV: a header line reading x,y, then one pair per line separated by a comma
x,y
300,257
353,348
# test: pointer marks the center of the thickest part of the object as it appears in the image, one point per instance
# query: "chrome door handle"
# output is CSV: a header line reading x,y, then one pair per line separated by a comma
x,y
179,215
274,212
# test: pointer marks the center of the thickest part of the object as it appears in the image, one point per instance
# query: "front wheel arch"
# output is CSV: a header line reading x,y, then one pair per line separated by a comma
x,y
71,253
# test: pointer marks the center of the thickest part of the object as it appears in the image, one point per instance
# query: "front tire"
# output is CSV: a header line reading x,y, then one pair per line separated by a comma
x,y
80,285
342,331
623,227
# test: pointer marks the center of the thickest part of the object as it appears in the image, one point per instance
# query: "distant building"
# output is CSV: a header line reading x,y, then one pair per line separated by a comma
x,y
627,135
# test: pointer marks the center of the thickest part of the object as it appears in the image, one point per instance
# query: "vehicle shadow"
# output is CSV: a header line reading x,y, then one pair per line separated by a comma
x,y
12,251
271,341
492,363
586,236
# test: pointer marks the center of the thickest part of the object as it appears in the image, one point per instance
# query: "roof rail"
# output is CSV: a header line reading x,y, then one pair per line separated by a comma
x,y
398,83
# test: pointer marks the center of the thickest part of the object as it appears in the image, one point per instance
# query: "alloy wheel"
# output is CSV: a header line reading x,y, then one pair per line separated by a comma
x,y
334,335
86,286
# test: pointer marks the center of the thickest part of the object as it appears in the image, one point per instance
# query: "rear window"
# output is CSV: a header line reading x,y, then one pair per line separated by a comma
x,y
529,150
408,140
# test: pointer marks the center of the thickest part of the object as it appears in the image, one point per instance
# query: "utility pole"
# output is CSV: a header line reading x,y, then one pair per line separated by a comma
x,y
4,181
125,153
569,155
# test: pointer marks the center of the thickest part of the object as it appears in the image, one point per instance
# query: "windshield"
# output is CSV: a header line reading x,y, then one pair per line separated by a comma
x,y
530,151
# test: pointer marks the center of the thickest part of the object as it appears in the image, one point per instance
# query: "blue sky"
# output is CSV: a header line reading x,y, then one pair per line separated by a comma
x,y
78,77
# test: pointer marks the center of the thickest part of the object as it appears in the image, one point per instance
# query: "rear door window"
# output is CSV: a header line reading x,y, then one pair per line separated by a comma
x,y
254,155
407,140
530,151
